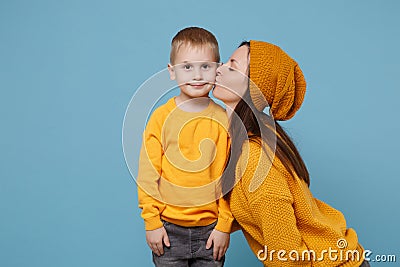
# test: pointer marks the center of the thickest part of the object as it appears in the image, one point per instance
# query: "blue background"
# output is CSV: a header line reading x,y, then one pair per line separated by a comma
x,y
68,70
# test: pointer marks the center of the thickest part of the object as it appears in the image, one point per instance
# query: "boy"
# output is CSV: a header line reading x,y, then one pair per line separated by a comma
x,y
184,151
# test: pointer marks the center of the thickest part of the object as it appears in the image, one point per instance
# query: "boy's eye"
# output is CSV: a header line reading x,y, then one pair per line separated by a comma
x,y
187,67
206,66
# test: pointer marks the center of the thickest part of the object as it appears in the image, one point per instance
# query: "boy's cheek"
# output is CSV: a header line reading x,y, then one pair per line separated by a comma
x,y
181,80
210,77
183,77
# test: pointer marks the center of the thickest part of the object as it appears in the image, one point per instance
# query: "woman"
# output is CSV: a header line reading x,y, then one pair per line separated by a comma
x,y
271,201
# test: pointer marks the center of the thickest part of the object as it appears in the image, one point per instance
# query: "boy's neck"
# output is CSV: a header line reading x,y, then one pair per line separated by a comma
x,y
197,104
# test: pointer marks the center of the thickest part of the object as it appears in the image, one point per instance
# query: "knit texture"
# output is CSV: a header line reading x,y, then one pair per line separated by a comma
x,y
276,80
282,214
182,156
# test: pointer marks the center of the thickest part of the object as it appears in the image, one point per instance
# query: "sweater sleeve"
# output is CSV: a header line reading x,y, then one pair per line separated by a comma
x,y
149,174
286,225
271,205
275,216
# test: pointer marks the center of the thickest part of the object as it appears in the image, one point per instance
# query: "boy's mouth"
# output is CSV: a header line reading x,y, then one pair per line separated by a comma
x,y
198,84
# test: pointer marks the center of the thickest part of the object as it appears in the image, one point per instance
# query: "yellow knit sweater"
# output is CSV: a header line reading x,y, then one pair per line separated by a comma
x,y
182,156
282,214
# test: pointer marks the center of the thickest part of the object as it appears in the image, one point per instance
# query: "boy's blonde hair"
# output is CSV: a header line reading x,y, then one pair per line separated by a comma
x,y
197,37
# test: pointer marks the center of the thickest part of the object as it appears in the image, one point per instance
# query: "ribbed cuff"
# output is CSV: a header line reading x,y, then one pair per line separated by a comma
x,y
224,225
152,223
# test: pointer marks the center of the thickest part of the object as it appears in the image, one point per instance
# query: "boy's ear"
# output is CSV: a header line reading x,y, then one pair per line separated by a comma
x,y
171,71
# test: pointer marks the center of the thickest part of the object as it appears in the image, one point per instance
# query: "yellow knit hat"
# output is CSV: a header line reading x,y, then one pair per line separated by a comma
x,y
276,80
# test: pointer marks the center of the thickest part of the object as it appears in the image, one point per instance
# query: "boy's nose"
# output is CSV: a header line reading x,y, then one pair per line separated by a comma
x,y
197,74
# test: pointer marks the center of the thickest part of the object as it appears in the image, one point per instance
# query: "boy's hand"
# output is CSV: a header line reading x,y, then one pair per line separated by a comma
x,y
220,241
155,239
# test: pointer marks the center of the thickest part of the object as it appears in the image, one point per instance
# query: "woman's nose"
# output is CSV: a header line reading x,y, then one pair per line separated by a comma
x,y
219,68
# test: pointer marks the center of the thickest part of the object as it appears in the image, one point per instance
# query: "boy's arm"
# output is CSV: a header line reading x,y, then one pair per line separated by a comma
x,y
225,217
149,175
220,236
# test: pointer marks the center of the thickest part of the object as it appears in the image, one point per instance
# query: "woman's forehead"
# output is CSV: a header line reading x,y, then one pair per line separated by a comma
x,y
240,56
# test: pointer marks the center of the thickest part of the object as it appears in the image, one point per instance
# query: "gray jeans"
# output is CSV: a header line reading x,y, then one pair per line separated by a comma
x,y
188,247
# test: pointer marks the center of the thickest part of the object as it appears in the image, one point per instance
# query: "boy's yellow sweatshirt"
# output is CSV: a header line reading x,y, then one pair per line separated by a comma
x,y
282,214
183,156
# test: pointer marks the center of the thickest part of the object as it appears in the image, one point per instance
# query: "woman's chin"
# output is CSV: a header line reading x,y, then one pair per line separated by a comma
x,y
223,94
219,92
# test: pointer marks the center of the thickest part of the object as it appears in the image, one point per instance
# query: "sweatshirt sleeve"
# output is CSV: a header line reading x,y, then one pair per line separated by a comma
x,y
149,174
225,217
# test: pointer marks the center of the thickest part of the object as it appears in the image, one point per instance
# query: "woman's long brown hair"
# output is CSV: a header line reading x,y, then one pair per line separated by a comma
x,y
245,114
